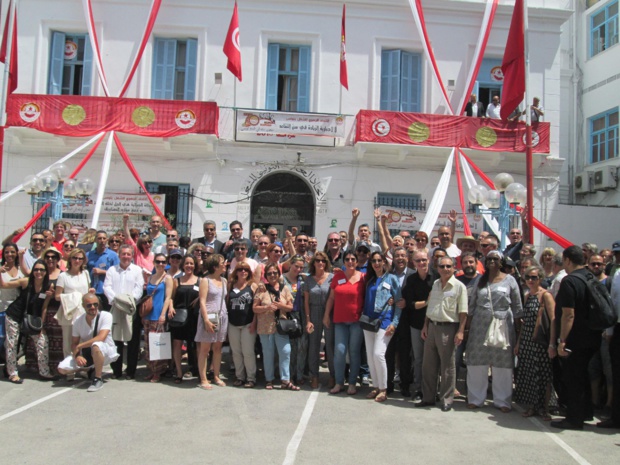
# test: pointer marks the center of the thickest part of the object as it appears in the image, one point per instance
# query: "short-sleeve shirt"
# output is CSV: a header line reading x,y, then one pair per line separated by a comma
x,y
84,331
104,261
348,298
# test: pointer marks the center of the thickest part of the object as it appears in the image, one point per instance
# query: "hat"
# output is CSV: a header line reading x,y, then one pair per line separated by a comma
x,y
175,252
53,250
363,244
615,247
460,241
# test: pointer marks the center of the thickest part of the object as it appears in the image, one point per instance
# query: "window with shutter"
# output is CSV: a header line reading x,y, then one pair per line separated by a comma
x,y
70,65
288,77
401,81
174,69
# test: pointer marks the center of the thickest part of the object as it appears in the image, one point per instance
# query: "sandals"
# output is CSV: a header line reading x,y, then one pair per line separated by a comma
x,y
249,385
505,409
219,382
269,386
472,406
289,386
238,383
15,379
528,413
373,394
178,379
545,416
382,397
155,379
206,387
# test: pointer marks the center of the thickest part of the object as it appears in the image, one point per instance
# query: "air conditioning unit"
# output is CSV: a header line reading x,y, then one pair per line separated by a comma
x,y
605,178
581,182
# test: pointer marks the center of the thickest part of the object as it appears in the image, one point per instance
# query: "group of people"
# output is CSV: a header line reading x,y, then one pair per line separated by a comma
x,y
411,311
477,109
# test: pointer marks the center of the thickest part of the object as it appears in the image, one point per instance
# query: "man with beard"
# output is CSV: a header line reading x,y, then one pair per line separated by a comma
x,y
468,244
415,295
236,230
596,265
334,250
468,276
31,255
401,341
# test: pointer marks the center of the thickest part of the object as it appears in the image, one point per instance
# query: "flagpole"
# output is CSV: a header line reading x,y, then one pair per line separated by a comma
x,y
529,163
12,14
340,100
235,93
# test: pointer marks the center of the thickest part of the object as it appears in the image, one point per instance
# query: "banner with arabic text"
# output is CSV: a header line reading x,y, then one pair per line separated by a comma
x,y
298,124
411,220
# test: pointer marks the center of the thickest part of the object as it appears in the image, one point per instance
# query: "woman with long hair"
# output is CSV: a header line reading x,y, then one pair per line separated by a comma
x,y
208,335
33,299
534,376
242,324
496,296
382,290
67,247
316,290
269,305
114,242
293,279
159,287
196,250
11,272
185,294
546,261
142,256
346,300
75,280
174,261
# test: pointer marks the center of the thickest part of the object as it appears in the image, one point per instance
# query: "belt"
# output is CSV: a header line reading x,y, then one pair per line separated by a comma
x,y
443,323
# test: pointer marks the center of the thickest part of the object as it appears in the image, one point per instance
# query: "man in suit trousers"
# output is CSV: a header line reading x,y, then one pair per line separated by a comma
x,y
401,341
210,237
474,108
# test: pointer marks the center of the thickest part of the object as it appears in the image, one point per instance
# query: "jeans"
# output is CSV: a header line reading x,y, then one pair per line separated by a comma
x,y
270,343
348,337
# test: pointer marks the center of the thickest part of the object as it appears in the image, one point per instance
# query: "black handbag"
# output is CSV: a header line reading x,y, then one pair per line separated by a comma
x,y
373,324
180,318
289,326
32,325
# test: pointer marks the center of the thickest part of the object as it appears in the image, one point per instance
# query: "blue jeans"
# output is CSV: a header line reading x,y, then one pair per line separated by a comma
x,y
348,337
270,342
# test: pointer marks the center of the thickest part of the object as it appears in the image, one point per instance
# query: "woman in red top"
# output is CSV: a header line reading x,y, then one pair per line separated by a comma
x,y
346,299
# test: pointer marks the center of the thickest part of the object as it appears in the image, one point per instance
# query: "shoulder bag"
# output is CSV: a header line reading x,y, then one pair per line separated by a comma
x,y
542,331
145,305
181,314
290,325
214,318
497,334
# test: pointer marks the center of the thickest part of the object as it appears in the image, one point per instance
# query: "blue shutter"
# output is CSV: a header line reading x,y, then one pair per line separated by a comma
x,y
390,80
87,69
273,59
410,82
303,79
57,62
191,56
163,69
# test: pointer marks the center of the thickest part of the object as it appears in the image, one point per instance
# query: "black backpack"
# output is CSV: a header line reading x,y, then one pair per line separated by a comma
x,y
601,311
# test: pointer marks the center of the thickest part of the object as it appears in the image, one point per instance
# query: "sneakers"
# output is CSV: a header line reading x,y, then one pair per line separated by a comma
x,y
366,380
95,385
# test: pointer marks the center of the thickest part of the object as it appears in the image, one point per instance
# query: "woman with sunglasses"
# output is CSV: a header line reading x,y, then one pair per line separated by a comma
x,y
114,242
142,256
11,272
185,293
269,305
33,299
274,255
242,325
208,335
159,286
76,281
534,376
346,300
174,261
316,288
67,247
496,296
382,290
196,250
293,280
54,331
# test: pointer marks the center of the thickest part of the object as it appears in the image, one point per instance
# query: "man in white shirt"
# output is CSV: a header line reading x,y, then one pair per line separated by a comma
x,y
125,278
443,331
494,108
92,346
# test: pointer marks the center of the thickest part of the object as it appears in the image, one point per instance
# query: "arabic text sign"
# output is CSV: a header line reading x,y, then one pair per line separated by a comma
x,y
120,204
298,124
401,218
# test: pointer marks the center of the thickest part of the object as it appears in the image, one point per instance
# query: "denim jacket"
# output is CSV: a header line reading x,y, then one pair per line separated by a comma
x,y
389,287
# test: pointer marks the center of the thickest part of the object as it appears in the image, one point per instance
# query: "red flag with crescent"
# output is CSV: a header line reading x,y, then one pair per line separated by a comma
x,y
232,48
344,78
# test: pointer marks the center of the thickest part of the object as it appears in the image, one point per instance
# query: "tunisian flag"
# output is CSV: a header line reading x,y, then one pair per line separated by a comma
x,y
513,64
13,52
344,77
232,48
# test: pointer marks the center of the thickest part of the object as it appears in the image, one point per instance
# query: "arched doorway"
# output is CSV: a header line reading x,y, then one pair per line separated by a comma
x,y
283,200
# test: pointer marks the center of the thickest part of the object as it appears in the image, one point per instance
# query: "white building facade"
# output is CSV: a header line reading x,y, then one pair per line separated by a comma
x,y
290,55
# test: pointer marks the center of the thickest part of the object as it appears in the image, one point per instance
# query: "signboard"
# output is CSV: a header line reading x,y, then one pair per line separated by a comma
x,y
401,218
288,128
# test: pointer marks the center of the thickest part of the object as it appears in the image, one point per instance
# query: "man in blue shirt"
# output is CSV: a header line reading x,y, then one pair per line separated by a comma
x,y
100,261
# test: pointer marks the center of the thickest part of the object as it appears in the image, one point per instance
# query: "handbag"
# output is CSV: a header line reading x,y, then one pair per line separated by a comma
x,y
145,305
373,324
214,318
497,334
179,319
542,331
290,325
32,325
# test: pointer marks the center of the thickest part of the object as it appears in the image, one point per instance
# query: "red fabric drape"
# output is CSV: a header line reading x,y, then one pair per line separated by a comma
x,y
513,64
459,181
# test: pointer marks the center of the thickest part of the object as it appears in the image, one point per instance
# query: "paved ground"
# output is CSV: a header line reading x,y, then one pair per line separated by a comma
x,y
140,422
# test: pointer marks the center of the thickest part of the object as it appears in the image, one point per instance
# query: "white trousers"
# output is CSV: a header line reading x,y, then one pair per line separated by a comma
x,y
242,346
376,345
478,383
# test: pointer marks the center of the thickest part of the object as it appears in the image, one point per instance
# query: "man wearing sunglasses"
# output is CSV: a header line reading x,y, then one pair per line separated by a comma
x,y
31,255
236,234
100,261
334,249
92,347
363,233
517,238
443,331
210,236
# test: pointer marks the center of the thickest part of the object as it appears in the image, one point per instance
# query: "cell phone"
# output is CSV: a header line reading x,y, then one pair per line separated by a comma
x,y
566,349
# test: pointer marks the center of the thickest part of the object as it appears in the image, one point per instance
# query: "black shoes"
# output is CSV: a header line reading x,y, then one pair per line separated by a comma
x,y
565,424
405,392
425,404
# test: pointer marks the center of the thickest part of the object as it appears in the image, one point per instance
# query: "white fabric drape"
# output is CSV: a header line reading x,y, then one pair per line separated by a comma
x,y
471,181
433,211
105,171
